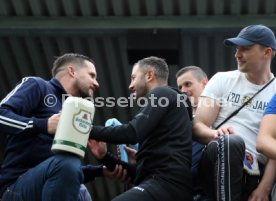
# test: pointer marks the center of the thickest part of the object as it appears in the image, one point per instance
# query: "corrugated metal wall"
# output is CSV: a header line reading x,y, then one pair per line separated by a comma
x,y
135,7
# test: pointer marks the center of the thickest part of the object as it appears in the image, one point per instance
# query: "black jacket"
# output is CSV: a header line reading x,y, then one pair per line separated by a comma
x,y
164,135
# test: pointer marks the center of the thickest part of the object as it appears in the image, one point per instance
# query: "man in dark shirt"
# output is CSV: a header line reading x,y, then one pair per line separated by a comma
x,y
163,130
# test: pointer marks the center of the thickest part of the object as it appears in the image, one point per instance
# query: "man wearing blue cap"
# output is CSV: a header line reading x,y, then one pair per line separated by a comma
x,y
227,120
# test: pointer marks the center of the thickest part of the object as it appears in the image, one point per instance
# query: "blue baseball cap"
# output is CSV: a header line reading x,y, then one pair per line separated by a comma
x,y
253,34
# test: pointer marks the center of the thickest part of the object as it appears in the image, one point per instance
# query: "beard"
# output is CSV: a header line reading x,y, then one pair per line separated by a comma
x,y
82,90
141,91
85,94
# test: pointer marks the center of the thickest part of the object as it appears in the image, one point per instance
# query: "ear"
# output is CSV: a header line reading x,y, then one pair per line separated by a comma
x,y
268,52
150,75
204,81
71,71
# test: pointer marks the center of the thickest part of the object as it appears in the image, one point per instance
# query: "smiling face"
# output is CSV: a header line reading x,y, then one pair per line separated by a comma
x,y
86,80
251,58
190,85
138,84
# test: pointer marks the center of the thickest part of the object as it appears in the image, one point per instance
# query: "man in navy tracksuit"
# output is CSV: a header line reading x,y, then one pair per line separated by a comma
x,y
28,118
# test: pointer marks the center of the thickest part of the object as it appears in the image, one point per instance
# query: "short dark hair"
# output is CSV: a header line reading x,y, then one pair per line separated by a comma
x,y
197,72
158,64
69,58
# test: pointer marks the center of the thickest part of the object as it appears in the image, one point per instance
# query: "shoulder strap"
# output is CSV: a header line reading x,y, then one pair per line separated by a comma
x,y
244,104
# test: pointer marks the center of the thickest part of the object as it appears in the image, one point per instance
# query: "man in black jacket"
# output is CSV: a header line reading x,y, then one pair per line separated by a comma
x,y
163,130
